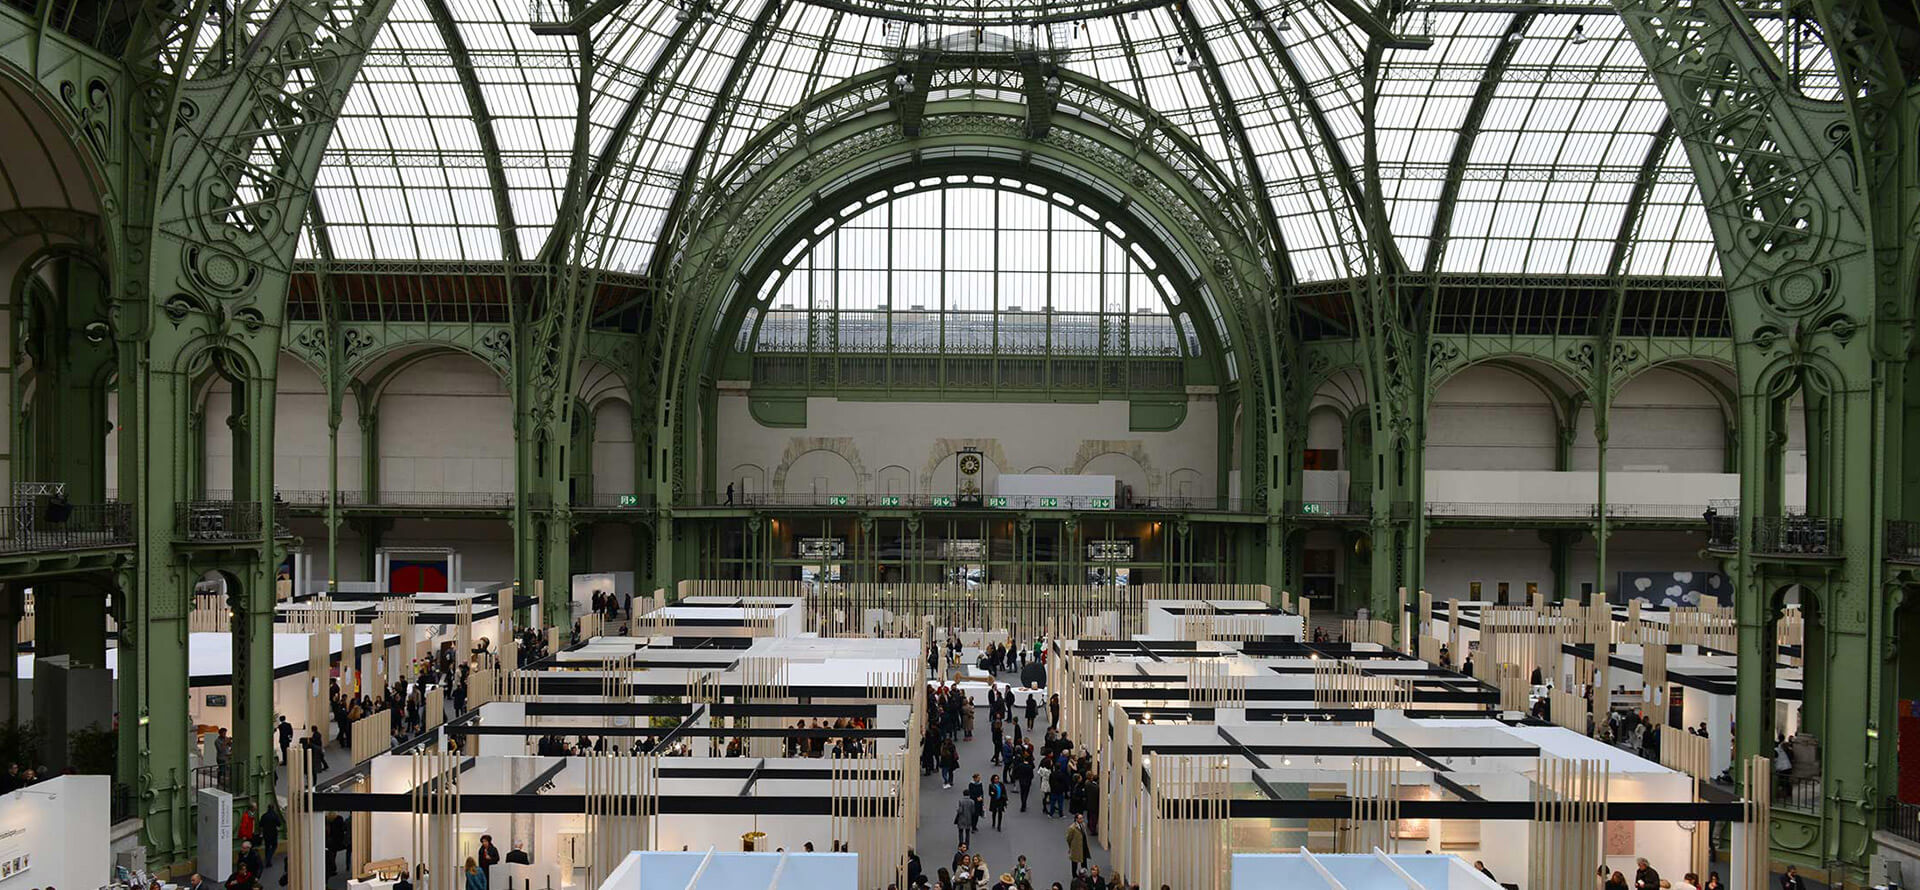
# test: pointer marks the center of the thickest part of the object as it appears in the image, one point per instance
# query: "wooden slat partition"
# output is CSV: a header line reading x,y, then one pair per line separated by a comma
x,y
1187,823
1569,810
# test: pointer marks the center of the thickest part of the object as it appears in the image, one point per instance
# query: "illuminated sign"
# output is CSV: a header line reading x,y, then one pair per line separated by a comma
x,y
889,500
1100,503
943,500
1311,507
836,500
998,501
1120,550
823,548
629,500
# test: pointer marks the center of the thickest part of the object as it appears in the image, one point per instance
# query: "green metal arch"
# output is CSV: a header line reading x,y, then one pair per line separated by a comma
x,y
431,346
766,239
976,131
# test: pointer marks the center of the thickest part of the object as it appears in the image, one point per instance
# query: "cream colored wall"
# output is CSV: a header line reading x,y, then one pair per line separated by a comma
x,y
889,447
446,424
299,433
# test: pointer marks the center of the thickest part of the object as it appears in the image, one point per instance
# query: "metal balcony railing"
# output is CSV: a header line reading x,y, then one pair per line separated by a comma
x,y
1798,793
1796,535
1902,819
218,521
1723,531
447,499
43,526
1903,540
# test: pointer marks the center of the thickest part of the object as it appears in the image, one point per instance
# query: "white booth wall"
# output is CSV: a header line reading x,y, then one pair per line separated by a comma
x,y
61,828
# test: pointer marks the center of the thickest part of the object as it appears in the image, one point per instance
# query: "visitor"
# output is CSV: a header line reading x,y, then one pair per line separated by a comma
x,y
949,761
489,857
285,732
476,880
1791,880
1481,867
1689,881
1617,882
518,855
1713,882
997,800
964,818
1033,710
268,830
1077,846
1644,876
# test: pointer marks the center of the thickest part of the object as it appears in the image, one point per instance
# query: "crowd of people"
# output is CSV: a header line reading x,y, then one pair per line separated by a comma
x,y
1036,769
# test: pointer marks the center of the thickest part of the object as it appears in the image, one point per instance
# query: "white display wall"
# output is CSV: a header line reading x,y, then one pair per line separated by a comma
x,y
54,834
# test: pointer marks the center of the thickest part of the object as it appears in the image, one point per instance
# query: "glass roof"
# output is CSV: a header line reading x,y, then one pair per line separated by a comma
x,y
1548,114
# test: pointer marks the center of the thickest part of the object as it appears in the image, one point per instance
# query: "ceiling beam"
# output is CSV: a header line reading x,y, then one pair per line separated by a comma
x,y
1637,199
482,124
1470,131
750,48
584,180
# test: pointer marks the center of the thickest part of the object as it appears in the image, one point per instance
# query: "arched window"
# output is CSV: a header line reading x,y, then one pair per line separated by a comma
x,y
975,270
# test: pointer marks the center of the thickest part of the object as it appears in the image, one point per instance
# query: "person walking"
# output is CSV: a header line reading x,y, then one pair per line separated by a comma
x,y
1077,846
1043,776
268,830
963,819
1033,710
949,761
1023,775
976,792
997,801
285,733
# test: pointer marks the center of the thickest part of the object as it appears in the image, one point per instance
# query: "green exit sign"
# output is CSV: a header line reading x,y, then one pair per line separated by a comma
x,y
943,500
1000,501
1100,503
889,500
1049,503
836,500
629,500
1312,508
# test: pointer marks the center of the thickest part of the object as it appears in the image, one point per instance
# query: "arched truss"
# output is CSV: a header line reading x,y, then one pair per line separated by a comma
x,y
1109,152
1199,323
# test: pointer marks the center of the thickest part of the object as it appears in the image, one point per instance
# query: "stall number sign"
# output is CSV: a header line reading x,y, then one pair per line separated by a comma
x,y
823,548
629,500
889,500
1110,551
943,500
836,500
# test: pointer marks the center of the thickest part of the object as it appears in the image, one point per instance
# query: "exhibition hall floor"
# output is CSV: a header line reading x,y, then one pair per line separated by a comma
x,y
1042,840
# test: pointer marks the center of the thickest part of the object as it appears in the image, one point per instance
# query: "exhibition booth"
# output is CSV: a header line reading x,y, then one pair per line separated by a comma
x,y
1517,797
1208,619
716,870
1376,870
54,834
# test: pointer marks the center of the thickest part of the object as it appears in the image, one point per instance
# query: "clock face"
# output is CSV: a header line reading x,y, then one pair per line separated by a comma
x,y
970,464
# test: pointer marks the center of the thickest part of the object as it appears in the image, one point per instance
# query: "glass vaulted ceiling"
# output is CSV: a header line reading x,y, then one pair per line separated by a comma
x,y
1549,130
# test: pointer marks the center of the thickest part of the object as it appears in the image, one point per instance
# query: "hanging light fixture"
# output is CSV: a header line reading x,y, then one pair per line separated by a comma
x,y
1180,58
1579,33
1053,85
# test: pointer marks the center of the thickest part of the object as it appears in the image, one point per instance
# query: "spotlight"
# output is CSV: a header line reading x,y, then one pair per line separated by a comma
x,y
1284,25
1180,59
1579,34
